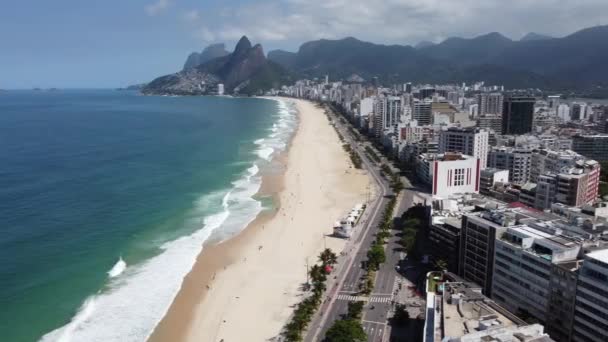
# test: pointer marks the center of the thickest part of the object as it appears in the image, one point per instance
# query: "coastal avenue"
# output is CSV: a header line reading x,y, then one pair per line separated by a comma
x,y
345,286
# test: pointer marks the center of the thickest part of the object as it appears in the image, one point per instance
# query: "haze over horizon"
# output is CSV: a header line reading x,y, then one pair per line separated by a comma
x,y
70,44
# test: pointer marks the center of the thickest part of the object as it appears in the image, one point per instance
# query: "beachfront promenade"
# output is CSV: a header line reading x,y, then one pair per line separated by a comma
x,y
344,288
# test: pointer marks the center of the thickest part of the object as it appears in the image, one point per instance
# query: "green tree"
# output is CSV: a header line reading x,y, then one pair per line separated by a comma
x,y
376,256
348,330
355,310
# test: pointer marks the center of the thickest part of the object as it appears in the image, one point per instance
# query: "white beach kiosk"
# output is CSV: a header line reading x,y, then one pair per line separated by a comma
x,y
344,228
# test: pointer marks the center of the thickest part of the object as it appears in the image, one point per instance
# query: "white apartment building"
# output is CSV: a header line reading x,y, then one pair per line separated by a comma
x,y
470,141
449,173
523,259
490,103
563,112
387,113
517,160
544,160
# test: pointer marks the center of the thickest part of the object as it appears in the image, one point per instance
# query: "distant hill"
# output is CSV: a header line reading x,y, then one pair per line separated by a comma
x,y
210,52
574,61
579,58
534,36
344,57
423,44
472,51
282,57
244,71
394,63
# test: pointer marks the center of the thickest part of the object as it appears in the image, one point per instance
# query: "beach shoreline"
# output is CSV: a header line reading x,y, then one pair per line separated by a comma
x,y
244,288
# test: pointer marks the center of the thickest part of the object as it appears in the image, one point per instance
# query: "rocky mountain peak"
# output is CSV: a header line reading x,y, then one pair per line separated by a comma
x,y
242,46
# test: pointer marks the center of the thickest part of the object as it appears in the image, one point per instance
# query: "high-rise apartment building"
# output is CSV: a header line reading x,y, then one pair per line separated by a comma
x,y
518,115
523,263
490,103
470,141
476,252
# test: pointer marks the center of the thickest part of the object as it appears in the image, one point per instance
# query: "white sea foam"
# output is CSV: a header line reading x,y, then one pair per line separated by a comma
x,y
265,152
118,268
136,298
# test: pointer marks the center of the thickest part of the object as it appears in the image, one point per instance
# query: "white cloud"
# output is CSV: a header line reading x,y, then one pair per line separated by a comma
x,y
157,7
205,35
192,16
401,21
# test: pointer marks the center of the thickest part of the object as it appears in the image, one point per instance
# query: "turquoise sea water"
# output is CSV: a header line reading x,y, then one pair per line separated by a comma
x,y
106,198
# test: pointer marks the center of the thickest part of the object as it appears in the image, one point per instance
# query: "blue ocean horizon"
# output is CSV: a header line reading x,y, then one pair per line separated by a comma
x,y
106,197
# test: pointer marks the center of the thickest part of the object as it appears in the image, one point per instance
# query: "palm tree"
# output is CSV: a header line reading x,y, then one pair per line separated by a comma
x,y
317,274
327,257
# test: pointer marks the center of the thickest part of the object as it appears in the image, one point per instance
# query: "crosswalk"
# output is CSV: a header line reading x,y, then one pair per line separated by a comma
x,y
372,299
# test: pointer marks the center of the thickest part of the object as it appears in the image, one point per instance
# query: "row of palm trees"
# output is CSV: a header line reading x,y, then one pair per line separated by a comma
x,y
354,156
305,310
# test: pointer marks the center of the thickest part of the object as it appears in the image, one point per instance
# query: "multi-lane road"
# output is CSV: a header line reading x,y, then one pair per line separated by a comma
x,y
345,286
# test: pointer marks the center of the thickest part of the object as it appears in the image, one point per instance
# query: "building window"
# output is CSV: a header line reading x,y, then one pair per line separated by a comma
x,y
458,177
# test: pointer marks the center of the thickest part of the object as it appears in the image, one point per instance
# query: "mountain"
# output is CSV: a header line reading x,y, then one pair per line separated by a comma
x,y
472,51
210,52
579,58
576,61
244,71
534,36
423,44
344,57
282,57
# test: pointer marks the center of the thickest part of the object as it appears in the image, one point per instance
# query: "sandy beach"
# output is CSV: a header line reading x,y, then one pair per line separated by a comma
x,y
243,289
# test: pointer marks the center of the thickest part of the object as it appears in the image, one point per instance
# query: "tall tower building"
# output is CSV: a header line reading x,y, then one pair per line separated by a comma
x,y
408,88
518,115
422,113
578,111
554,101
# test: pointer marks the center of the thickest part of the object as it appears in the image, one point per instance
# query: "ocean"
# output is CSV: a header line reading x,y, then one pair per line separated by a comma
x,y
107,196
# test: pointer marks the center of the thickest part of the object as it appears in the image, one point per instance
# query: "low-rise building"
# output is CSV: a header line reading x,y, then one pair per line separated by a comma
x,y
491,176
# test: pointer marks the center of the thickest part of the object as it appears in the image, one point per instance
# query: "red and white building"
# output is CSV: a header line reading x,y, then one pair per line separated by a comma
x,y
449,173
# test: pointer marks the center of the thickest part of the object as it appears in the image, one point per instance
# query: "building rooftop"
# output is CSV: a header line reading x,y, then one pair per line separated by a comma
x,y
529,333
600,255
466,313
448,156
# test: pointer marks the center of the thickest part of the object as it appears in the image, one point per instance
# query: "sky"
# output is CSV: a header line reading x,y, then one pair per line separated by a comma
x,y
115,43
